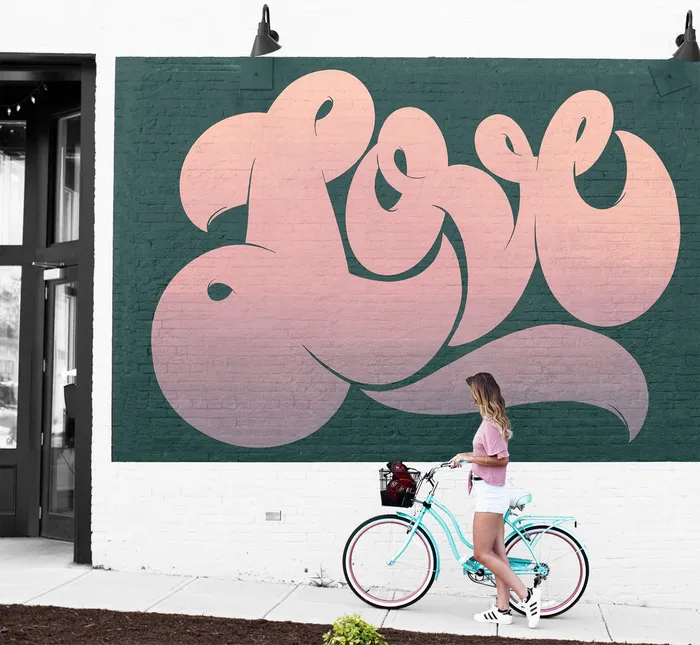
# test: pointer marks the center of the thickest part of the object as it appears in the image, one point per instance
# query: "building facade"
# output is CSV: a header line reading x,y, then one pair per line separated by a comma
x,y
299,259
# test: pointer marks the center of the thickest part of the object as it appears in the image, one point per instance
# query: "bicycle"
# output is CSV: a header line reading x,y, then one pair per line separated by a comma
x,y
393,574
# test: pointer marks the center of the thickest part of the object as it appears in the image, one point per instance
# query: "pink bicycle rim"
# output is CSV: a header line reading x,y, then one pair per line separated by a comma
x,y
551,610
369,595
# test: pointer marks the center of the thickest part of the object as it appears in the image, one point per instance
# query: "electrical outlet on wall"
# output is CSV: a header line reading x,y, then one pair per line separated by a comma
x,y
273,516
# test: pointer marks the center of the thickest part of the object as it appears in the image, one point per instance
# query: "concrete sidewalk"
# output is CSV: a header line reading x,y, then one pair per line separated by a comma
x,y
40,572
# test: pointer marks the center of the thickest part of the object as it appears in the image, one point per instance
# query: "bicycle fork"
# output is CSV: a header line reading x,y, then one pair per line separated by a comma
x,y
416,523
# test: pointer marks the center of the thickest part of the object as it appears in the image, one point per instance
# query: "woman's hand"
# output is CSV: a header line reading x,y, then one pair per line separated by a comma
x,y
456,461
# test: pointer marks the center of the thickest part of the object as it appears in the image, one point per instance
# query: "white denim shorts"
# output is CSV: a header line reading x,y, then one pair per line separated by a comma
x,y
491,499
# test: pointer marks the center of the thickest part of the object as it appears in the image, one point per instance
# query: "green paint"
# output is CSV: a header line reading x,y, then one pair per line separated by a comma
x,y
163,105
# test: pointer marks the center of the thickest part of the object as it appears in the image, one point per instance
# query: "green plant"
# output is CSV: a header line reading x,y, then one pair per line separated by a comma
x,y
352,630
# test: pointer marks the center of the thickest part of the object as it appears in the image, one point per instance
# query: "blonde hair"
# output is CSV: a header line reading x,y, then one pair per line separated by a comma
x,y
488,398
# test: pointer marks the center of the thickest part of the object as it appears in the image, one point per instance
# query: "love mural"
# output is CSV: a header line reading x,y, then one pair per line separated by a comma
x,y
271,358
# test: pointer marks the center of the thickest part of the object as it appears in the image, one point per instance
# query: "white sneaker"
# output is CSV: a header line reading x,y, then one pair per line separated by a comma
x,y
532,606
494,615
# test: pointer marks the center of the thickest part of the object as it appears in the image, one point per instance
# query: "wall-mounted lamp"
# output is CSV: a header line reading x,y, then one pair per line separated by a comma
x,y
687,43
266,41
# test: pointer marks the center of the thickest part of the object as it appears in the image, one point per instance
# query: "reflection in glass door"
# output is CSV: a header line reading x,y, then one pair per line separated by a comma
x,y
13,137
13,154
13,142
59,422
67,214
10,282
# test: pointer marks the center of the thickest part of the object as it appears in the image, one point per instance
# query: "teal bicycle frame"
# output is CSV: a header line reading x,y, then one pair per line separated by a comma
x,y
518,525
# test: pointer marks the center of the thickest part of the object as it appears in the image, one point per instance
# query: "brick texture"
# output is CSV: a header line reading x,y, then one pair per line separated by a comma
x,y
197,519
171,515
164,105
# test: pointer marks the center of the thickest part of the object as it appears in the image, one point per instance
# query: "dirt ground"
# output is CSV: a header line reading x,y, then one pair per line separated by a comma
x,y
57,626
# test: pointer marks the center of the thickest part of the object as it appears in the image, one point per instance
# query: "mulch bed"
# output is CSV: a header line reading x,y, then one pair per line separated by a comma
x,y
58,626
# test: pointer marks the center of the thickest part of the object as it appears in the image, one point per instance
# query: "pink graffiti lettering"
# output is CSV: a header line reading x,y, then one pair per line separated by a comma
x,y
552,363
273,361
606,267
500,260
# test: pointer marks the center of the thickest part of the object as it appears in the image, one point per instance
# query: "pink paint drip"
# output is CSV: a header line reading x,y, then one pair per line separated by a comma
x,y
244,370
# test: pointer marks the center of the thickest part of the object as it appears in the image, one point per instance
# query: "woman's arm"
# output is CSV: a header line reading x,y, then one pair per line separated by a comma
x,y
481,461
488,461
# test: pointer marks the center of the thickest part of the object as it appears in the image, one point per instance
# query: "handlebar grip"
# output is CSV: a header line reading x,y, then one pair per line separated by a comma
x,y
448,464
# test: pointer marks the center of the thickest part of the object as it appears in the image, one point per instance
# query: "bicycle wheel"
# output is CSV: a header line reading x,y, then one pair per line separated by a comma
x,y
366,556
564,572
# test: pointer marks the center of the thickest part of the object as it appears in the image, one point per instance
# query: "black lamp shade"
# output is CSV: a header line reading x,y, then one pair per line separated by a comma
x,y
688,49
266,41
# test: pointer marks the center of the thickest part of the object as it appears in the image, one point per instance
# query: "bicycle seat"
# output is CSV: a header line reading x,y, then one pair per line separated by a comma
x,y
518,498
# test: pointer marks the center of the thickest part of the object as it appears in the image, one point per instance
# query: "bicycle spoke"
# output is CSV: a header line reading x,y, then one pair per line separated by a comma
x,y
373,579
564,555
564,566
404,565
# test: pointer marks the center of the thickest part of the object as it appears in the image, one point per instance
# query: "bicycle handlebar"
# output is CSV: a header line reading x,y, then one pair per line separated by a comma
x,y
445,464
448,464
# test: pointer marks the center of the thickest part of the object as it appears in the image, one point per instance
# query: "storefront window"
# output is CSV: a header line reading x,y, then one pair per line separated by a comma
x,y
10,281
68,180
13,136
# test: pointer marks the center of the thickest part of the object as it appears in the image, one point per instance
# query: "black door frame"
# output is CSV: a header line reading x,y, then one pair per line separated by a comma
x,y
35,254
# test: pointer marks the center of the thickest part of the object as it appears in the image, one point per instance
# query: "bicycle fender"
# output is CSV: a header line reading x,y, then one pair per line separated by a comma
x,y
431,537
524,528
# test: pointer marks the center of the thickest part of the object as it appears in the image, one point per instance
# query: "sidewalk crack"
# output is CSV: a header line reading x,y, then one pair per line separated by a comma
x,y
607,629
280,601
63,584
169,593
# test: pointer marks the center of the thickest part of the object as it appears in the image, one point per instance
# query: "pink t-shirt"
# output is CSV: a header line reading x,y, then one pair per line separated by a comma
x,y
488,442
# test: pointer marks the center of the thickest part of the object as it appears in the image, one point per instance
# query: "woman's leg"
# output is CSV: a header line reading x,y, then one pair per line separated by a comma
x,y
499,548
487,526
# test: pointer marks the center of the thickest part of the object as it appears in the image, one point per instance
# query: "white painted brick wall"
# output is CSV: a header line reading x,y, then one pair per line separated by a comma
x,y
639,520
208,519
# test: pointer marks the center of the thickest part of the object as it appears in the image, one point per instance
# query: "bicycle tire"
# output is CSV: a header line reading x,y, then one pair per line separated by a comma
x,y
584,558
351,580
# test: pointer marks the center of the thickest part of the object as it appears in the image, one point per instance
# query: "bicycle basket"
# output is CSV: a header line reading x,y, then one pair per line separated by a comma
x,y
398,487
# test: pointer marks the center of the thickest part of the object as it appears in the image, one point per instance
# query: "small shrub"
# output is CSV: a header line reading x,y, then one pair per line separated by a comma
x,y
352,630
321,579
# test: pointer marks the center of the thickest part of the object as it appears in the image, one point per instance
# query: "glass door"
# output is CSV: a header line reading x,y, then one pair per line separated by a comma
x,y
57,514
60,378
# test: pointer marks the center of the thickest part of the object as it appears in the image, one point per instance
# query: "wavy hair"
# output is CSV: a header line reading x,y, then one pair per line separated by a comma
x,y
488,398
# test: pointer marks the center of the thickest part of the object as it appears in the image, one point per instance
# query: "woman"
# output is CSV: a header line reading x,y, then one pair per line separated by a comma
x,y
489,461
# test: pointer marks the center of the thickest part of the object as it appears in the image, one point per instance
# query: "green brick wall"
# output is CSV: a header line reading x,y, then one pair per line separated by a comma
x,y
164,105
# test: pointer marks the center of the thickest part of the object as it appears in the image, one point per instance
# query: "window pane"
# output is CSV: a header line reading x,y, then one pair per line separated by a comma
x,y
13,137
68,180
10,281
